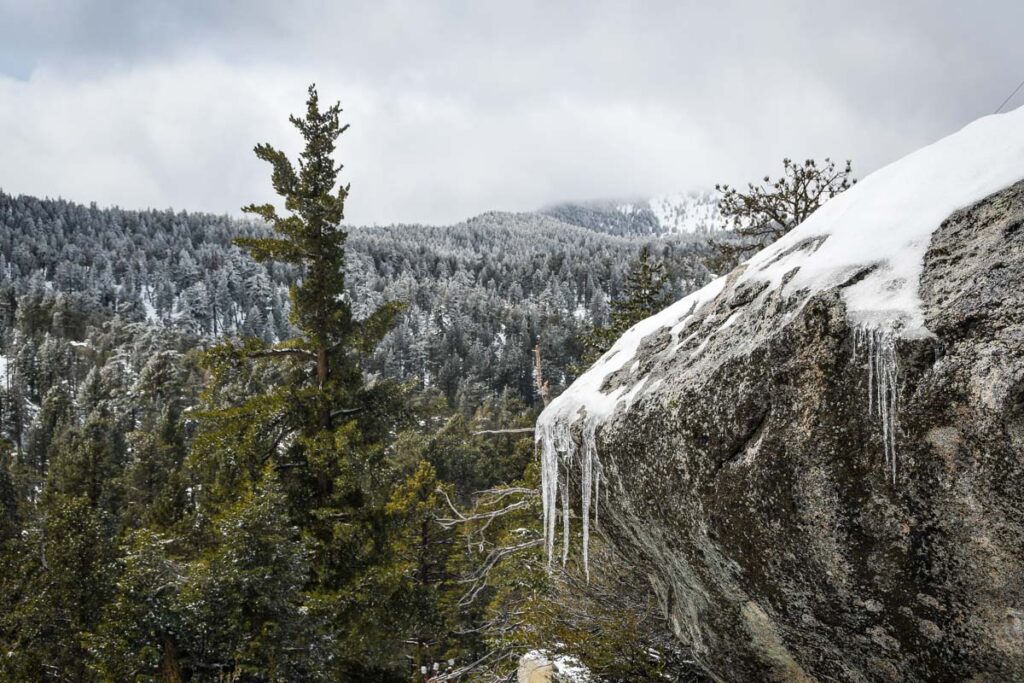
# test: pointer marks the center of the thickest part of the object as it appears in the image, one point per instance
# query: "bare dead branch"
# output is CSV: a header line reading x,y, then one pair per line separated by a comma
x,y
520,430
339,412
543,387
478,578
309,355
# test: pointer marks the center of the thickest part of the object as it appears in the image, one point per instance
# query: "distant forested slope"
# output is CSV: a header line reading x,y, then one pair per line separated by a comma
x,y
75,280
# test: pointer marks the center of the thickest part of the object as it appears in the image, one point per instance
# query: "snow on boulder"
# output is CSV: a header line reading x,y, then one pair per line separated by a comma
x,y
818,457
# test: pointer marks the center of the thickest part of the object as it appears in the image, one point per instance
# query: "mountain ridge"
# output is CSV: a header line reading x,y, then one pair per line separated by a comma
x,y
685,213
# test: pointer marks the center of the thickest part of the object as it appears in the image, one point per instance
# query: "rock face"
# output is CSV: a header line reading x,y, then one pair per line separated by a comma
x,y
534,668
822,497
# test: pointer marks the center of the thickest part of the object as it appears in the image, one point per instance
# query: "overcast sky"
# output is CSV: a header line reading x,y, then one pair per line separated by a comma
x,y
462,107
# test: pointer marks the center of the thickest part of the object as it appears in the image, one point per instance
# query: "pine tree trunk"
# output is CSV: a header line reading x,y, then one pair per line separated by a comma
x,y
170,671
321,380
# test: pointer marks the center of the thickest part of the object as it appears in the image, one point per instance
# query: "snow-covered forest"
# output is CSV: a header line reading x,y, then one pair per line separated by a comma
x,y
480,294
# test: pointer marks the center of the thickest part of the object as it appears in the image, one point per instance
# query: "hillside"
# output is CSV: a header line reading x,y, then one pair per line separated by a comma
x,y
692,214
480,294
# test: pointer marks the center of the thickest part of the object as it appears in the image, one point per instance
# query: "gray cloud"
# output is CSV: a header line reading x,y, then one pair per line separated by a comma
x,y
461,107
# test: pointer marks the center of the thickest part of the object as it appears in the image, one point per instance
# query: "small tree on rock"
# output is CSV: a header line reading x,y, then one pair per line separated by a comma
x,y
767,211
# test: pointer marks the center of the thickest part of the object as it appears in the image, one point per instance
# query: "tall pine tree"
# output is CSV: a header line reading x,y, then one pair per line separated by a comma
x,y
311,237
310,388
301,409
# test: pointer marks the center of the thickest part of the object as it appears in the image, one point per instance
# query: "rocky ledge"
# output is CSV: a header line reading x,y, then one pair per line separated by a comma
x,y
820,464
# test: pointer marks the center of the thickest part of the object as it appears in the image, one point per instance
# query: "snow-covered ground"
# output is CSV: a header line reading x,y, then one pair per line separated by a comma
x,y
694,213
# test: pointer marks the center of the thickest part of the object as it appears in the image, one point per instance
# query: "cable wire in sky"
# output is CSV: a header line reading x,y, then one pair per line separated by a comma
x,y
1010,97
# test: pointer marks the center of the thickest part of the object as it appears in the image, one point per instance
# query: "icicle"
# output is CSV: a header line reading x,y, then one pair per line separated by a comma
x,y
883,387
565,518
549,485
555,444
586,488
871,369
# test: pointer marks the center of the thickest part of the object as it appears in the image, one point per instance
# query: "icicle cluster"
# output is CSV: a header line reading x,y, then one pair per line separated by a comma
x,y
883,385
554,440
557,445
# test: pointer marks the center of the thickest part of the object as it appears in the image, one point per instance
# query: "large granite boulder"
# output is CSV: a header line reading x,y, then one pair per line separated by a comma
x,y
818,460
